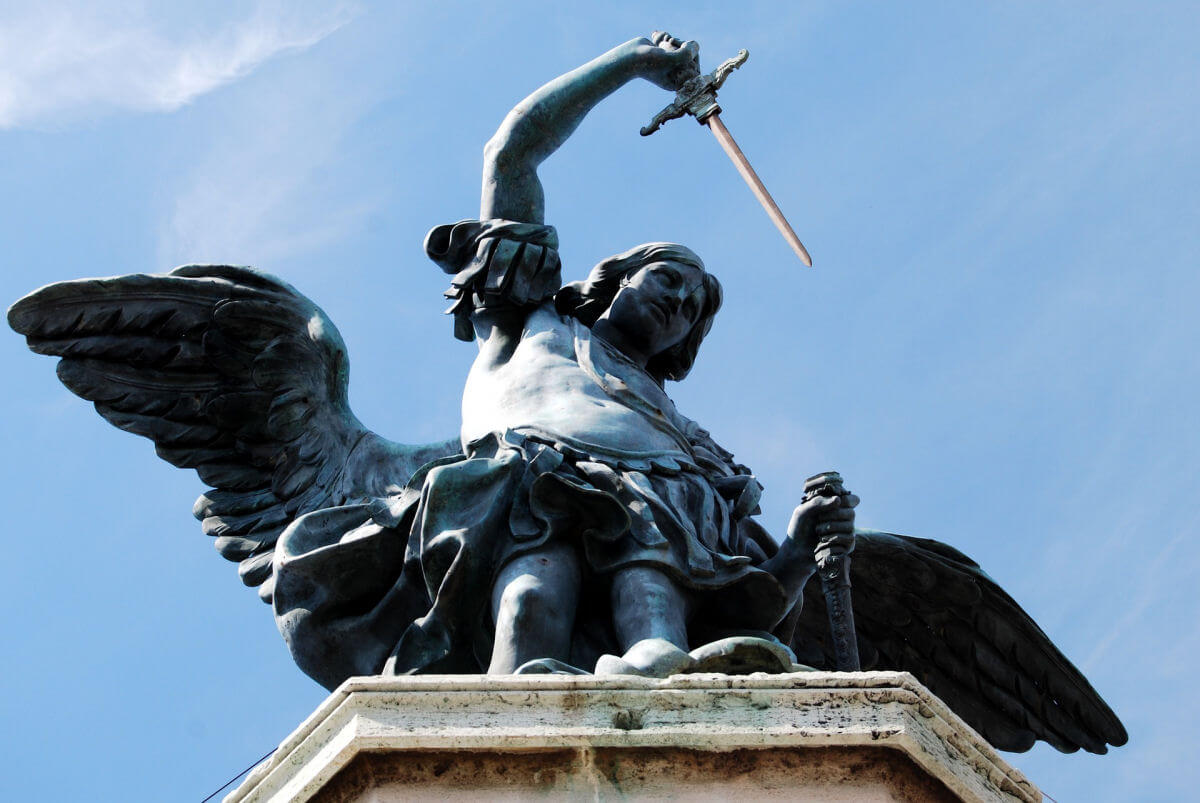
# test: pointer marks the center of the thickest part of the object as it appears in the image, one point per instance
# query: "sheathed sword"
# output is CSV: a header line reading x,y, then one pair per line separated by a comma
x,y
698,97
833,567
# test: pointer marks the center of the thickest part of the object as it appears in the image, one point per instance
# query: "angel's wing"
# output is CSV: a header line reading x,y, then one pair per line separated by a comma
x,y
923,607
231,372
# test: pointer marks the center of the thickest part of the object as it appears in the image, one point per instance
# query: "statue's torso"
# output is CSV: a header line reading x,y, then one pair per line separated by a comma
x,y
562,384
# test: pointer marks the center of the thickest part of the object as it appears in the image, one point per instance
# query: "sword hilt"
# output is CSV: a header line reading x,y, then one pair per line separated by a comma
x,y
833,567
829,484
831,558
698,96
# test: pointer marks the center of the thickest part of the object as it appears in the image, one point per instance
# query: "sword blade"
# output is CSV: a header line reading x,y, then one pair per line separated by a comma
x,y
713,121
835,584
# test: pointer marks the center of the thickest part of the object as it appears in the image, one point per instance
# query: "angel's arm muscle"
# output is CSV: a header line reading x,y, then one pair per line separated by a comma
x,y
542,122
537,126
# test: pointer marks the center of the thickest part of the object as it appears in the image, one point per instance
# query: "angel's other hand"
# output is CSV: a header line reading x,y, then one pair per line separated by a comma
x,y
824,522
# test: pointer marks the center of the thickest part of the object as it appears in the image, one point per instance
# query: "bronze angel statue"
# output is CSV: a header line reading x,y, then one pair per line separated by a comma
x,y
578,522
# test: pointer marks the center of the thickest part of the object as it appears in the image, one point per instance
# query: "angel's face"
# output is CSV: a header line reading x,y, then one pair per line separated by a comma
x,y
657,305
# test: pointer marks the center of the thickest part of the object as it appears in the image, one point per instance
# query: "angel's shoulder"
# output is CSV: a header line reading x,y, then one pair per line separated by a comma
x,y
548,323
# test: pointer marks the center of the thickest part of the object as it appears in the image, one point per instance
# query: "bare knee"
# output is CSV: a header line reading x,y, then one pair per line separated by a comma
x,y
527,602
533,602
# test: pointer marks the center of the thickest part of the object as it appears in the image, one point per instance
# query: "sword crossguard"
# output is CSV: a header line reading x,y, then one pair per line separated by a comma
x,y
698,96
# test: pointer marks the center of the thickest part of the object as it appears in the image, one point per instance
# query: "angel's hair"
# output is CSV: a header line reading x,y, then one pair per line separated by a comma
x,y
587,301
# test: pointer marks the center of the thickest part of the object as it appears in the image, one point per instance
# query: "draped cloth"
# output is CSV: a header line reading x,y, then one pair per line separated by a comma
x,y
402,584
494,259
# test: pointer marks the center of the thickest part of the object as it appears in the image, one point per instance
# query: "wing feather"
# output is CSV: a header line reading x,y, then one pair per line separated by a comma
x,y
926,608
230,372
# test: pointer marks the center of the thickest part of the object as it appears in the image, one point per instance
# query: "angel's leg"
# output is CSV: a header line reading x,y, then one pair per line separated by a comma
x,y
650,614
533,605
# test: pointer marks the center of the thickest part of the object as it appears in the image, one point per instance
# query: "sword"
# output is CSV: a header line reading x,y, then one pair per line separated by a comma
x,y
698,97
833,567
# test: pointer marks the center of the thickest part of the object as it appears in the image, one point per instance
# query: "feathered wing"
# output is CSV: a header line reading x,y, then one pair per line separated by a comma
x,y
923,607
231,372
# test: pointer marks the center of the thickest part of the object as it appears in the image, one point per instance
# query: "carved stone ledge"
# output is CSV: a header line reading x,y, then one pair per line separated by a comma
x,y
812,735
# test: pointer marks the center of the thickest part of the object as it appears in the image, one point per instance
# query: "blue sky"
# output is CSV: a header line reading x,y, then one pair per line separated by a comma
x,y
997,346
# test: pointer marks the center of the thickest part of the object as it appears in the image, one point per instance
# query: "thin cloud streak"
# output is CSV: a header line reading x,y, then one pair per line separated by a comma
x,y
268,181
1151,592
59,65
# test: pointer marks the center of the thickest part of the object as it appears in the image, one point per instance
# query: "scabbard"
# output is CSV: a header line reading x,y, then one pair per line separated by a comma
x,y
834,570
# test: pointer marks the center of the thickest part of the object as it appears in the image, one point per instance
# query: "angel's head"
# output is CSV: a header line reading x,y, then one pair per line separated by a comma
x,y
657,296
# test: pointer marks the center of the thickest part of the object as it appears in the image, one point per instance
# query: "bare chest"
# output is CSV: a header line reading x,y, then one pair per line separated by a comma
x,y
542,388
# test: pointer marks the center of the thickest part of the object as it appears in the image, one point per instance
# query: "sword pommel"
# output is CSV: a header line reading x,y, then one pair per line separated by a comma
x,y
698,96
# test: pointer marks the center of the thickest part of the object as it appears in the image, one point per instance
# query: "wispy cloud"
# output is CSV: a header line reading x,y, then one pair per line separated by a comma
x,y
67,62
1149,592
279,172
274,171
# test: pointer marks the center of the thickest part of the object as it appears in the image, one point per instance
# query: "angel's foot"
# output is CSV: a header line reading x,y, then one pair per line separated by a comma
x,y
741,655
652,658
548,666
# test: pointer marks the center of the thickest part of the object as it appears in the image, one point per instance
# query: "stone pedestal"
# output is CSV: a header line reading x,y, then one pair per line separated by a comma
x,y
813,736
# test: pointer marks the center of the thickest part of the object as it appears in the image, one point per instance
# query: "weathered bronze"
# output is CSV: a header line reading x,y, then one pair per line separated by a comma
x,y
698,94
578,522
833,567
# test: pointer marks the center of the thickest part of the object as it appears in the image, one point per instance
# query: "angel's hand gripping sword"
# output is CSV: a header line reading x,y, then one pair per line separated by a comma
x,y
833,567
698,97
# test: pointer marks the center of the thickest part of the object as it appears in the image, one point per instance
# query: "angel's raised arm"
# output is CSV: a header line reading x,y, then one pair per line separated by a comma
x,y
506,263
542,122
